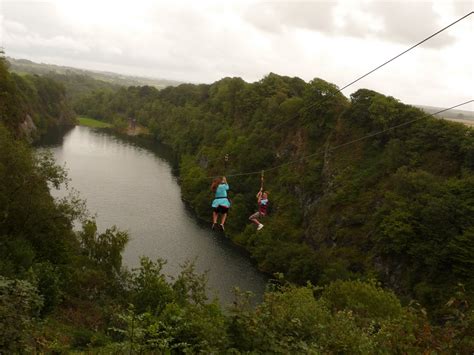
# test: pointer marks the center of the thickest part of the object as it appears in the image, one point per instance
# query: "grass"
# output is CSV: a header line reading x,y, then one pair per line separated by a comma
x,y
90,122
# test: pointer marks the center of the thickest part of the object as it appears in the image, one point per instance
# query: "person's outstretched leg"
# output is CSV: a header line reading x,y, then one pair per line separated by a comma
x,y
214,219
253,218
223,218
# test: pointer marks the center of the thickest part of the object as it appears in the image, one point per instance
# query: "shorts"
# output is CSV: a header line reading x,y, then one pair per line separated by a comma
x,y
256,215
221,209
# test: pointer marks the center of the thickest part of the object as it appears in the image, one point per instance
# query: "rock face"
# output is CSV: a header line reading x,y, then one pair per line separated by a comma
x,y
28,127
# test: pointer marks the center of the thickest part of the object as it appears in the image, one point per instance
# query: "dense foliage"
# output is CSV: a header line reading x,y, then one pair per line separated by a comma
x,y
78,86
32,104
397,206
63,289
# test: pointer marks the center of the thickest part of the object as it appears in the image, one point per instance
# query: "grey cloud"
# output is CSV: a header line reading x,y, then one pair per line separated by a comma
x,y
36,27
69,46
193,42
275,16
410,22
40,17
403,22
463,7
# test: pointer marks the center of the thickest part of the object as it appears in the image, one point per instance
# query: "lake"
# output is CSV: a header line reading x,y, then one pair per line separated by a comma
x,y
133,186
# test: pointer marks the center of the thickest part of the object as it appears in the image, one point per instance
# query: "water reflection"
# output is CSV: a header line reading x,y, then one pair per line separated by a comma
x,y
54,136
130,183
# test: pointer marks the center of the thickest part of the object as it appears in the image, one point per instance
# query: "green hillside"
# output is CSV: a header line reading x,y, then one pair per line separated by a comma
x,y
397,206
460,116
90,122
29,67
32,104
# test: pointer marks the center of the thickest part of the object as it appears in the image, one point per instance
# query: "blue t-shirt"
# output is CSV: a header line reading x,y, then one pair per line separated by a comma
x,y
220,198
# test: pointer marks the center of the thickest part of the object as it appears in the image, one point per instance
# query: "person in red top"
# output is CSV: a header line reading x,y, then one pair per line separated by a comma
x,y
262,199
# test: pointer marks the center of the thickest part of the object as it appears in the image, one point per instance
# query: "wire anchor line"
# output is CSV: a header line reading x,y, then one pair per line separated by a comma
x,y
371,71
226,160
377,68
407,50
367,74
349,142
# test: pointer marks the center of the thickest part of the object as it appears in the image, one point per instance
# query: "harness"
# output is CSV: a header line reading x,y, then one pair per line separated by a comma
x,y
219,198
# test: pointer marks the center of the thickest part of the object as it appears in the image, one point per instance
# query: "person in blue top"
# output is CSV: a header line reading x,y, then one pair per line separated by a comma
x,y
220,204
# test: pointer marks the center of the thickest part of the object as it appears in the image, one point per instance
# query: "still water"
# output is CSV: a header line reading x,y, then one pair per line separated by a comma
x,y
133,187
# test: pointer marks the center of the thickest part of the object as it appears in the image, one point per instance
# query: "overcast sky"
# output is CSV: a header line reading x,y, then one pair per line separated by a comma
x,y
203,41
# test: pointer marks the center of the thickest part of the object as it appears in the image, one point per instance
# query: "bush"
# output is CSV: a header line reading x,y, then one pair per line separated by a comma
x,y
19,305
48,280
366,299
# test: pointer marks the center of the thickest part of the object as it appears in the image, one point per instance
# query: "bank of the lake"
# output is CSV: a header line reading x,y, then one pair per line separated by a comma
x,y
90,122
133,186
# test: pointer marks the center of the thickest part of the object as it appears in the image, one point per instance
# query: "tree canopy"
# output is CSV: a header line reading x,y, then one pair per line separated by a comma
x,y
397,205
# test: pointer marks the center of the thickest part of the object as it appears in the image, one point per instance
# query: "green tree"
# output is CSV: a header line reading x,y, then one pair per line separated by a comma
x,y
20,303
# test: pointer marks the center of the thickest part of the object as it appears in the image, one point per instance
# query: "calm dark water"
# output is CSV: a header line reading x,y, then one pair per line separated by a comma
x,y
133,187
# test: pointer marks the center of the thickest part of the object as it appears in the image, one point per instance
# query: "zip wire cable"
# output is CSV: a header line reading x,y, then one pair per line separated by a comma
x,y
368,73
378,67
409,49
348,143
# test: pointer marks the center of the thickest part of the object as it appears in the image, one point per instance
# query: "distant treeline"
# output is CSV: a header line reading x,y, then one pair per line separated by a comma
x,y
25,66
451,114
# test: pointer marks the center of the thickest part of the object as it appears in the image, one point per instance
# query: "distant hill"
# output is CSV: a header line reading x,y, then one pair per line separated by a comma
x,y
462,116
78,82
24,66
